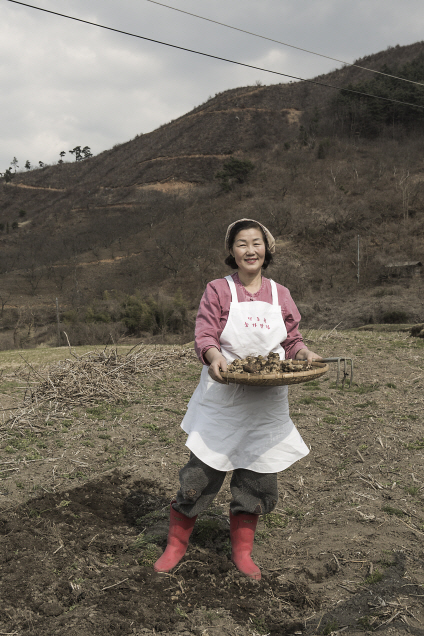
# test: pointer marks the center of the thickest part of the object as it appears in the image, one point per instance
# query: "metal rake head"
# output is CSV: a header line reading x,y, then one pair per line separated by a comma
x,y
345,373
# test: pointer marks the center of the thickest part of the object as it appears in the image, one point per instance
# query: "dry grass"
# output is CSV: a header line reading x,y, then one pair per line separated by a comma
x,y
84,380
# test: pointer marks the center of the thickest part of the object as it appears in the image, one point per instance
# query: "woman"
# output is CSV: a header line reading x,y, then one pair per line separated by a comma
x,y
246,429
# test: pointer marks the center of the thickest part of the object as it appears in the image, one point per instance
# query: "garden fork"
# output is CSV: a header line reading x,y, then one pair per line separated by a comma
x,y
346,361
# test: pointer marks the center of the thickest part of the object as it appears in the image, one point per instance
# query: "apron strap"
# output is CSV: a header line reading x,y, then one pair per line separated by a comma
x,y
233,289
274,293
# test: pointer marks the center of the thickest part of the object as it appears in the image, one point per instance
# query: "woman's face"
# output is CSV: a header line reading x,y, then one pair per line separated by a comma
x,y
249,250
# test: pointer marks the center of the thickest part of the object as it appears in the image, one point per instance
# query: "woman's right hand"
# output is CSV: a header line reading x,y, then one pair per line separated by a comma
x,y
217,363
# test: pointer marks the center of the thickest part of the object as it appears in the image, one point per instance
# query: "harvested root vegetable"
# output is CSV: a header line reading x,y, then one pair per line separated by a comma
x,y
266,365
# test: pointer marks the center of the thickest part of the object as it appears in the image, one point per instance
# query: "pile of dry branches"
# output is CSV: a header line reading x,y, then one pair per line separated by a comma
x,y
85,380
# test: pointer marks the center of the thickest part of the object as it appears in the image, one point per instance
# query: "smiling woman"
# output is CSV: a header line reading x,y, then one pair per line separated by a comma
x,y
250,251
244,429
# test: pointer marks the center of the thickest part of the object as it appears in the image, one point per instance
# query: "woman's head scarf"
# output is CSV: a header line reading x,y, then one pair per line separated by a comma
x,y
269,237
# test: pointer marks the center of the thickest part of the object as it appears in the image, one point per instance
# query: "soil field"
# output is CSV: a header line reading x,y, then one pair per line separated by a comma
x,y
85,492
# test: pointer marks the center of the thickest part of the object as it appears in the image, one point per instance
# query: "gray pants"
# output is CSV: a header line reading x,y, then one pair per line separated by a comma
x,y
254,493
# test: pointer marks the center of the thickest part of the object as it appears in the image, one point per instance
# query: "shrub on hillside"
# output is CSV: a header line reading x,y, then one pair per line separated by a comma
x,y
97,316
395,317
81,333
155,316
234,171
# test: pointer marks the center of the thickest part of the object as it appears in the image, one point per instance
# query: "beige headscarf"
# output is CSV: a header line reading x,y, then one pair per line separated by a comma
x,y
269,237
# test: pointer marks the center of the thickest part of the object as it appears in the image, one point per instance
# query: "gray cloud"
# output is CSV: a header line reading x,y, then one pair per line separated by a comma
x,y
66,83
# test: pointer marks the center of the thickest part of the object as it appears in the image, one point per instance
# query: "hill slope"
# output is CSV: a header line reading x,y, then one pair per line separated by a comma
x,y
149,214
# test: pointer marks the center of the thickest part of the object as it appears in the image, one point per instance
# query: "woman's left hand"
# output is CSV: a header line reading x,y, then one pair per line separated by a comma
x,y
308,355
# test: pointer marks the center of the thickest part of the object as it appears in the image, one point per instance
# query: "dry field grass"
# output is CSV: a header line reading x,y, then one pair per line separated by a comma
x,y
85,489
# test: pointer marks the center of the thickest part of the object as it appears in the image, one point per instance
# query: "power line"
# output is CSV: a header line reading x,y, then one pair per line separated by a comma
x,y
292,46
215,57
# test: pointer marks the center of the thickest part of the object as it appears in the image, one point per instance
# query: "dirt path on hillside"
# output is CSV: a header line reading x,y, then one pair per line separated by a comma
x,y
30,187
85,498
194,156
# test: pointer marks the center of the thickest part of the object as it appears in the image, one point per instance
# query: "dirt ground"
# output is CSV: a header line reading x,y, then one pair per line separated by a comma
x,y
84,501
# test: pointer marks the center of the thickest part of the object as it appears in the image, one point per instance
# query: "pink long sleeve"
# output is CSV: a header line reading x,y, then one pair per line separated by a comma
x,y
215,306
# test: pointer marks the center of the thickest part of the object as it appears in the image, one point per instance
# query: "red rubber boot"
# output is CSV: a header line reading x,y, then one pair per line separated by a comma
x,y
180,528
242,533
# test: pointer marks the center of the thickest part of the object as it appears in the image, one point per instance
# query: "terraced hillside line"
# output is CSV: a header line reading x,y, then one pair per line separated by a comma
x,y
30,187
183,157
167,186
109,260
293,115
106,205
255,91
247,109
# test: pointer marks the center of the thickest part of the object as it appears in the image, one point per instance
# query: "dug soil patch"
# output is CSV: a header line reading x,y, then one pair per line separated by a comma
x,y
85,495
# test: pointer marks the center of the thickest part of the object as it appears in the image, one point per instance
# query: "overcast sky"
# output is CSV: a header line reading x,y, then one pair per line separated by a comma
x,y
65,84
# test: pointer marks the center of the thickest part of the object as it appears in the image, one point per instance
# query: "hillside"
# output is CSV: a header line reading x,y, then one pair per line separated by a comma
x,y
149,215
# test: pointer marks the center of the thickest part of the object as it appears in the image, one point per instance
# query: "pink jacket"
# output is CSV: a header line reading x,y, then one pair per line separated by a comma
x,y
215,306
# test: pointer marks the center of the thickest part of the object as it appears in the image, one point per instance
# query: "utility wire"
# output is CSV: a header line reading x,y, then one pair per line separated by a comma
x,y
292,46
216,57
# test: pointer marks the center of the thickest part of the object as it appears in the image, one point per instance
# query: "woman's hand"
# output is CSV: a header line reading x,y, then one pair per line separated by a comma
x,y
217,363
309,356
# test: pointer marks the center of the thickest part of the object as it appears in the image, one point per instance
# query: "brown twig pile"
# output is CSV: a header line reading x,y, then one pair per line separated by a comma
x,y
94,377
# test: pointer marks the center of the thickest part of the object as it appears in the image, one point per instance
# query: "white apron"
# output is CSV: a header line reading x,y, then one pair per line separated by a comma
x,y
233,426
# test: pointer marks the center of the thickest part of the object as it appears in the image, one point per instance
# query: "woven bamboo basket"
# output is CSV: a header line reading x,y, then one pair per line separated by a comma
x,y
276,379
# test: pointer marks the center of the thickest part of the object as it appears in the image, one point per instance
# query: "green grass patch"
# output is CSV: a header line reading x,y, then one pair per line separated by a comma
x,y
149,555
330,627
366,388
206,531
364,405
385,561
175,411
365,622
259,625
314,399
103,411
297,514
393,511
165,439
10,385
274,520
412,490
142,541
417,445
77,475
150,426
152,517
331,419
313,385
374,578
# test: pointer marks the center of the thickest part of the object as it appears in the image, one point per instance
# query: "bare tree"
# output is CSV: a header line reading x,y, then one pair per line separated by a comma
x,y
4,299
